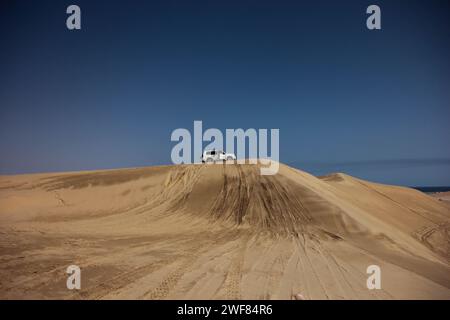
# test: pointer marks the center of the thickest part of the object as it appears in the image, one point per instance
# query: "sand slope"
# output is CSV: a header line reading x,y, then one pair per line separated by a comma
x,y
219,232
442,196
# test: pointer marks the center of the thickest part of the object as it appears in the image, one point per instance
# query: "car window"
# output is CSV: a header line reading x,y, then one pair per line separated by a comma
x,y
213,153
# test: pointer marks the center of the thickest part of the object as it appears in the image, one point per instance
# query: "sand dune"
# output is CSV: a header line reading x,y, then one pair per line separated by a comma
x,y
442,196
219,232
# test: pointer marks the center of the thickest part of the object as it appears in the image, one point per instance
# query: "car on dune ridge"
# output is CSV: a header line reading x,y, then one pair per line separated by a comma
x,y
212,156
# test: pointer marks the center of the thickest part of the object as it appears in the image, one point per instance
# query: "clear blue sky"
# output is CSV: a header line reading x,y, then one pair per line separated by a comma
x,y
375,104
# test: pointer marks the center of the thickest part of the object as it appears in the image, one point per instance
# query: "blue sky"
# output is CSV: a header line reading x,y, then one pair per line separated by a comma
x,y
374,104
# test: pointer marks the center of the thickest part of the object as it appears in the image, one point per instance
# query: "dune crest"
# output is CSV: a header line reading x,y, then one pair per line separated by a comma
x,y
219,232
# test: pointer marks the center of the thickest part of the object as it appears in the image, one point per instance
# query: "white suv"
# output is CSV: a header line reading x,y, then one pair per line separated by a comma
x,y
211,156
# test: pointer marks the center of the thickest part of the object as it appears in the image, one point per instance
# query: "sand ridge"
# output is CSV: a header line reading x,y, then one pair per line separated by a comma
x,y
219,232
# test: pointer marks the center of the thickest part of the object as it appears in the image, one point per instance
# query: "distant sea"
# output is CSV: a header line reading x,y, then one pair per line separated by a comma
x,y
432,189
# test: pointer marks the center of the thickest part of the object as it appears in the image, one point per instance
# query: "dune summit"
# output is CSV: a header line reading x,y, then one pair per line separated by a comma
x,y
219,232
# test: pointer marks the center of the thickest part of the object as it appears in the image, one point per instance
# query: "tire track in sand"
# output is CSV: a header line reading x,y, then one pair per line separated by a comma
x,y
232,284
122,280
171,280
